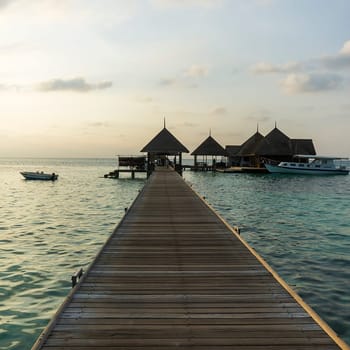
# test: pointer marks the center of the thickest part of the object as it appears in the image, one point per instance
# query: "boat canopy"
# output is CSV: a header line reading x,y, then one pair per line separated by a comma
x,y
318,157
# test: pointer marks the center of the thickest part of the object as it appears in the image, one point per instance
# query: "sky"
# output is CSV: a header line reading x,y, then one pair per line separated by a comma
x,y
96,78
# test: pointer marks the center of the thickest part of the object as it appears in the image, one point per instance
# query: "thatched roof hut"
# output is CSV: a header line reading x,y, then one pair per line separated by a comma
x,y
165,143
161,146
275,143
249,147
209,147
303,146
232,150
233,159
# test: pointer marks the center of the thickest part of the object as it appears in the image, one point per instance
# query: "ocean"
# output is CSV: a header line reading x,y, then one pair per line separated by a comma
x,y
299,224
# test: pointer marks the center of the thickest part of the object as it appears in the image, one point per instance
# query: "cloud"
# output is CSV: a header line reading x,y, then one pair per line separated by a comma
x,y
315,82
187,125
188,78
177,82
167,82
196,71
145,99
105,124
103,85
75,84
313,75
219,111
259,116
338,61
346,48
12,87
264,68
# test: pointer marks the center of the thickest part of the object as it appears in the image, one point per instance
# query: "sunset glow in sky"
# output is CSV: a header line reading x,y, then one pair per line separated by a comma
x,y
95,78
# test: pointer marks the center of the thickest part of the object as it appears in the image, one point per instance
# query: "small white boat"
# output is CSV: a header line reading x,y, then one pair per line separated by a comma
x,y
310,165
39,175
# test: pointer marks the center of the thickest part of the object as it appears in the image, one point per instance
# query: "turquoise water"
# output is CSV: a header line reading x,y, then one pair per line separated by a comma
x,y
300,225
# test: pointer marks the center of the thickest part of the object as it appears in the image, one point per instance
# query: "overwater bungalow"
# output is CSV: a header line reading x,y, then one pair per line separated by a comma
x,y
212,149
279,147
247,151
233,159
303,146
274,146
163,145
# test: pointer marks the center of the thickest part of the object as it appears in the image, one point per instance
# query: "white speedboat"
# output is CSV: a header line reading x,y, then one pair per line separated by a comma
x,y
310,165
39,175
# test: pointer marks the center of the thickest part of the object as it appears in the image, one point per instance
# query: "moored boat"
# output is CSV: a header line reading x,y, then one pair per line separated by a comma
x,y
310,165
39,175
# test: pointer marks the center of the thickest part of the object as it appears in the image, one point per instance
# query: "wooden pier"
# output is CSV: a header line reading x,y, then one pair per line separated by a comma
x,y
174,275
116,173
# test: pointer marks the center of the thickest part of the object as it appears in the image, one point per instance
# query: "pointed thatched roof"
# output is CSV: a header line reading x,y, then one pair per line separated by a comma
x,y
303,146
232,150
249,147
209,147
165,143
275,143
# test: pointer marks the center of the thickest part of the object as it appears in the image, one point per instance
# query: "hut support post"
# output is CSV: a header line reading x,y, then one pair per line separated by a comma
x,y
179,167
149,165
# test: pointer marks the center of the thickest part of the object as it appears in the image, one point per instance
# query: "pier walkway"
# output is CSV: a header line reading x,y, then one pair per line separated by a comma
x,y
174,276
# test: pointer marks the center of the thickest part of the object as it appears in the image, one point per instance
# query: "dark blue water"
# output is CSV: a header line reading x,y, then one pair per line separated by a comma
x,y
300,225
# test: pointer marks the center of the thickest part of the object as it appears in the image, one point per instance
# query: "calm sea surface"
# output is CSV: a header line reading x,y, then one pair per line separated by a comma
x,y
300,225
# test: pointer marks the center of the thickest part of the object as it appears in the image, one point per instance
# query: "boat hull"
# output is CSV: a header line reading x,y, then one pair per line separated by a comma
x,y
289,170
39,176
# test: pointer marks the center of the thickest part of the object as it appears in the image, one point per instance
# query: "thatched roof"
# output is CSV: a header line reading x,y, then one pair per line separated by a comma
x,y
249,147
275,143
303,146
232,150
165,143
209,147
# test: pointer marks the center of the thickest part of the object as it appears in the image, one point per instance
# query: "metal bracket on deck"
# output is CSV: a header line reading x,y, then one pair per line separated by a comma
x,y
76,277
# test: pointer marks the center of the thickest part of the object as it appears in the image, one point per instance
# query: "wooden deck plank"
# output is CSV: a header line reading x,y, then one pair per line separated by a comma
x,y
173,275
